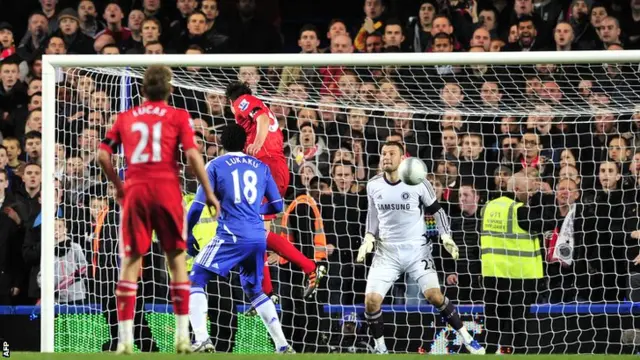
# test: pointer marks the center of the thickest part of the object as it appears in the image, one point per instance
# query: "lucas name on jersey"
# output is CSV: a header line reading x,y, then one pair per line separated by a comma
x,y
150,110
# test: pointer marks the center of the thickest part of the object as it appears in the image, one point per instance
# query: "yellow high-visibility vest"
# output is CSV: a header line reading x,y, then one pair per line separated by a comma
x,y
507,250
205,229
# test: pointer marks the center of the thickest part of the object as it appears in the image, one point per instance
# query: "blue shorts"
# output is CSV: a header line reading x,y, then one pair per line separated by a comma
x,y
220,256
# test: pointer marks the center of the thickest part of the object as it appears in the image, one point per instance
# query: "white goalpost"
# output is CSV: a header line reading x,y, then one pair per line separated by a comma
x,y
354,103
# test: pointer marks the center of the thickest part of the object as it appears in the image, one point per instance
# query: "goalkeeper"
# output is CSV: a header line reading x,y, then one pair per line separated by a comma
x,y
396,215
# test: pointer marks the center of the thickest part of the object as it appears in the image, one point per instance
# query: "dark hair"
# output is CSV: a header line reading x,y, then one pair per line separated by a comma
x,y
471,134
33,134
336,20
599,4
197,12
526,18
108,46
441,16
233,138
9,63
5,149
443,35
394,21
306,124
51,38
156,85
396,144
37,93
345,164
6,174
237,89
308,27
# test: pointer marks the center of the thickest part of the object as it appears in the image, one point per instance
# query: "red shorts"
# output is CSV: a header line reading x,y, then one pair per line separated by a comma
x,y
152,207
280,173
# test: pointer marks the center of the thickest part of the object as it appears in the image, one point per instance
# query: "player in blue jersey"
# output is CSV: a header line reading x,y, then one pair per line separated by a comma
x,y
241,182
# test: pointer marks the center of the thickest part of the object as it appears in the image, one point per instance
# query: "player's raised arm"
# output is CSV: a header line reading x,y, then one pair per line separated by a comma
x,y
108,146
274,202
430,201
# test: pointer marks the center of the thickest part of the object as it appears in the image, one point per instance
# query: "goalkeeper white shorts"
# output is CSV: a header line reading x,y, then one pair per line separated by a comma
x,y
391,261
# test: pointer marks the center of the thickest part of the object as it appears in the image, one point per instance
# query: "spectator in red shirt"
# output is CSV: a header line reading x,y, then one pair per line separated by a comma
x,y
113,16
7,45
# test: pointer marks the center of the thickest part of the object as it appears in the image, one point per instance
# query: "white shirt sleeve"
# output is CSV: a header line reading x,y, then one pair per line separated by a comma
x,y
372,214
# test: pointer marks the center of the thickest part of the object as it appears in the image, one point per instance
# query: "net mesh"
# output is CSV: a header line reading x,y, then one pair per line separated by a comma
x,y
473,126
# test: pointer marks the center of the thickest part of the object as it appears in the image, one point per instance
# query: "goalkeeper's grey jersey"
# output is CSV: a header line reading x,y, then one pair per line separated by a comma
x,y
396,210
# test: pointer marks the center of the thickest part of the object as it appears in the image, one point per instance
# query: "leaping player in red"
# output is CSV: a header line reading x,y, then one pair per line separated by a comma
x,y
151,135
265,142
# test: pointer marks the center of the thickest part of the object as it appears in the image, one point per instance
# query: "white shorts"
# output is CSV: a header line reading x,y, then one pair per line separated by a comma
x,y
391,261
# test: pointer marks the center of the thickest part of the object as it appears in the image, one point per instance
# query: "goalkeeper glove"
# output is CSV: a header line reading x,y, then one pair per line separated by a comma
x,y
366,247
450,246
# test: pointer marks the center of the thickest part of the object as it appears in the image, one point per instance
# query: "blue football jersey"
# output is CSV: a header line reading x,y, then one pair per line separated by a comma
x,y
240,182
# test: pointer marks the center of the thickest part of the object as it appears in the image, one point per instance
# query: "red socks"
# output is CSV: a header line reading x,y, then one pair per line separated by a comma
x,y
285,248
126,303
180,297
267,287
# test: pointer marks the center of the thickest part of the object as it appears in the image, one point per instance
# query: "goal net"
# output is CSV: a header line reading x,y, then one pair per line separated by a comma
x,y
570,123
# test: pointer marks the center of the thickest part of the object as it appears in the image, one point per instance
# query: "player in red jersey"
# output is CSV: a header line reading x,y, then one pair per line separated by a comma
x,y
265,142
151,135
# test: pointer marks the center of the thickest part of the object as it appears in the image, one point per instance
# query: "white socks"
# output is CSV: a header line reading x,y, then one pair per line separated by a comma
x,y
197,315
267,311
380,344
465,335
182,326
125,332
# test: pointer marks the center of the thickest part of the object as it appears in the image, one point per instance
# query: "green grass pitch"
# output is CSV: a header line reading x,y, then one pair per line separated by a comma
x,y
219,356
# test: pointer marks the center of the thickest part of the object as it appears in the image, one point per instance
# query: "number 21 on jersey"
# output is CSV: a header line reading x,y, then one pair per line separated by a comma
x,y
248,187
139,155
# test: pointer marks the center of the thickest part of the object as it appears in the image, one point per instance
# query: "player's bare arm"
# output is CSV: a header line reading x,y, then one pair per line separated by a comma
x,y
194,160
104,159
262,130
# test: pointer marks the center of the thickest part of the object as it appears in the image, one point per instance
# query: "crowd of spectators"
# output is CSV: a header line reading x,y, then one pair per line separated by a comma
x,y
572,129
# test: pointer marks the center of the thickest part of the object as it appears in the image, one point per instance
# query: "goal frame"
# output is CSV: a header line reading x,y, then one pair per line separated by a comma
x,y
51,62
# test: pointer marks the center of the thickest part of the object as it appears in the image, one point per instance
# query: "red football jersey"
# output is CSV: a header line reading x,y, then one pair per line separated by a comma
x,y
151,135
247,109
